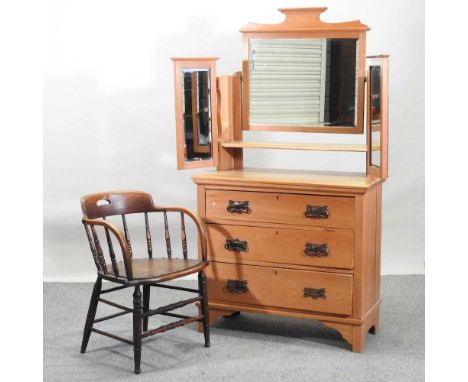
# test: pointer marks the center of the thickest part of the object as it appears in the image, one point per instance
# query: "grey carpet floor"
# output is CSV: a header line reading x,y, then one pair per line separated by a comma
x,y
247,347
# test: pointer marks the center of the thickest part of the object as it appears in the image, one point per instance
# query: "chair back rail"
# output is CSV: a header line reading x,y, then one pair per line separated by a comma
x,y
96,207
101,266
111,250
183,235
167,236
100,254
148,236
127,235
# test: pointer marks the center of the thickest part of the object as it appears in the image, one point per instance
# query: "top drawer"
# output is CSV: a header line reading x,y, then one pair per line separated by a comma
x,y
322,211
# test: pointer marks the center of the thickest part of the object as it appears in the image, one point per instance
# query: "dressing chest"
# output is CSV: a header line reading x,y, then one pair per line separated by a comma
x,y
287,242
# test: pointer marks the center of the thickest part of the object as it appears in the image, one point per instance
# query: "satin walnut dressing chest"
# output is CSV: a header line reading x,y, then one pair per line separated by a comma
x,y
290,242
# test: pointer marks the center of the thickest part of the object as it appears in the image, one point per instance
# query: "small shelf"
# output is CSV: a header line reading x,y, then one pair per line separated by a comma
x,y
295,146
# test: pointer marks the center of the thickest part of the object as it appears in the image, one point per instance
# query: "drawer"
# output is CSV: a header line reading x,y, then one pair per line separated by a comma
x,y
314,247
315,210
278,287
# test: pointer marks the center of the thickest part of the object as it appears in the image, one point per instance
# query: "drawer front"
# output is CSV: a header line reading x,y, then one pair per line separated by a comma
x,y
315,247
321,211
278,287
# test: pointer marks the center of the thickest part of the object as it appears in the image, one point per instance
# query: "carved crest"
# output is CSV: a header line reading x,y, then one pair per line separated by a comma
x,y
303,20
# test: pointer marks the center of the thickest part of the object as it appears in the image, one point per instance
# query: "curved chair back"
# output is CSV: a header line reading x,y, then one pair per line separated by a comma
x,y
96,207
111,203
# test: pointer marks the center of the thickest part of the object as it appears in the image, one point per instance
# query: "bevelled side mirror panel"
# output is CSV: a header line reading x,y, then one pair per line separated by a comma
x,y
377,115
195,106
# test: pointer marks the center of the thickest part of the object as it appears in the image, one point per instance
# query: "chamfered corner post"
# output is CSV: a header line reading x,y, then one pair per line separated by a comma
x,y
91,313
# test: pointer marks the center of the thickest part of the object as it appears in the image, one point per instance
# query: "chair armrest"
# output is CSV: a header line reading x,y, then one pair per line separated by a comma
x,y
127,257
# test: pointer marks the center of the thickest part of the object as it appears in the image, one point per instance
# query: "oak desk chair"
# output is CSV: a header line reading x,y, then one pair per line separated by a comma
x,y
139,272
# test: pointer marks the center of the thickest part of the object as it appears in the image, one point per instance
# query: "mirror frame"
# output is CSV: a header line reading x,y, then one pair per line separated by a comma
x,y
382,170
305,23
181,63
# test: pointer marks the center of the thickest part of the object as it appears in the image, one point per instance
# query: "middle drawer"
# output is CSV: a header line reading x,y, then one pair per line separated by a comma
x,y
321,247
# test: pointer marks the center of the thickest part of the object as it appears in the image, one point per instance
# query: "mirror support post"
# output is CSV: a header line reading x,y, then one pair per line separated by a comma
x,y
229,109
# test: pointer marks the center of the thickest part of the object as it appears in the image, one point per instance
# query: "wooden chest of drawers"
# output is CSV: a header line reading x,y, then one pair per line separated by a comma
x,y
293,243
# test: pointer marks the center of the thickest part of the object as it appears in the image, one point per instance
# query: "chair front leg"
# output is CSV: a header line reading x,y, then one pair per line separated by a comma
x,y
204,307
137,328
91,313
146,303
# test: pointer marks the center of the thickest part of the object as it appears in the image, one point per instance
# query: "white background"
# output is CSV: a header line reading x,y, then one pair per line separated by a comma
x,y
21,95
109,111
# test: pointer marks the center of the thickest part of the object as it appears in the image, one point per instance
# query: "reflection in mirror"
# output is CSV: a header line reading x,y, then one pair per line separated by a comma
x,y
303,82
375,120
197,113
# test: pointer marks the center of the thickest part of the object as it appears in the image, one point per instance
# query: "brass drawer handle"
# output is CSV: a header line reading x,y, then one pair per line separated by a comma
x,y
236,286
238,207
316,250
316,212
236,245
315,293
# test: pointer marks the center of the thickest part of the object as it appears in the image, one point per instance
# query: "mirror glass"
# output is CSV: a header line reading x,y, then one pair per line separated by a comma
x,y
303,82
375,108
197,113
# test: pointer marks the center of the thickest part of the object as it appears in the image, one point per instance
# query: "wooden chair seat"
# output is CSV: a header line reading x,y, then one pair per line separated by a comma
x,y
159,269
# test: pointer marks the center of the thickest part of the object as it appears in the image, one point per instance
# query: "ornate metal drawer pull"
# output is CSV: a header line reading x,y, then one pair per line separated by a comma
x,y
236,245
236,286
316,250
316,212
315,293
238,207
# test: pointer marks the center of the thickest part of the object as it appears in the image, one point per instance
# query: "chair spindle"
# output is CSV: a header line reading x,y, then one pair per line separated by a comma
x,y
148,236
92,247
127,236
115,268
100,254
183,235
168,236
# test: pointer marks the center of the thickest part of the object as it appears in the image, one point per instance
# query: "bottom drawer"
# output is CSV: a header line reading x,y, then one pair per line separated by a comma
x,y
279,287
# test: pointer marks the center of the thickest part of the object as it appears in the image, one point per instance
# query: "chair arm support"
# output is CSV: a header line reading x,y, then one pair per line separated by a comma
x,y
198,222
127,257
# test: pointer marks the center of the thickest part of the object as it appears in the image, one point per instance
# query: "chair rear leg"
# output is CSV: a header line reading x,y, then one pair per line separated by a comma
x,y
146,303
137,328
91,313
204,307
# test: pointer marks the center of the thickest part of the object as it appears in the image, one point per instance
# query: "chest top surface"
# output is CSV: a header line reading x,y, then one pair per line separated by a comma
x,y
256,176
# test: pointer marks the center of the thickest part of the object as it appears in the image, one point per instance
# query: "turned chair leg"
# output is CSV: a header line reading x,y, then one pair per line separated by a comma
x,y
204,307
137,328
146,303
91,313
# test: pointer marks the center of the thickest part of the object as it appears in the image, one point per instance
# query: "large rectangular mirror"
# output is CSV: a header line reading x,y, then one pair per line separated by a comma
x,y
195,97
303,82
